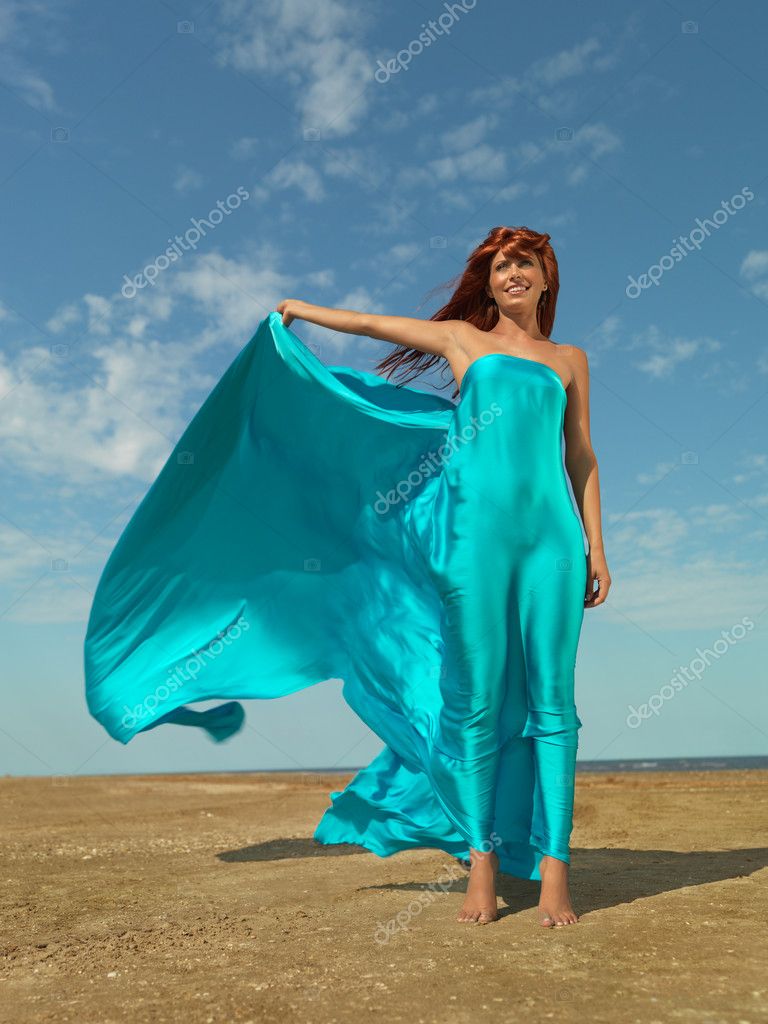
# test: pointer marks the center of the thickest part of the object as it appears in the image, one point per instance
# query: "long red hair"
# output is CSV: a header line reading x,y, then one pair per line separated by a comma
x,y
470,301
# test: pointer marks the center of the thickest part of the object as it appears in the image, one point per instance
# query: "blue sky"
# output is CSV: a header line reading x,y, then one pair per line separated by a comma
x,y
373,164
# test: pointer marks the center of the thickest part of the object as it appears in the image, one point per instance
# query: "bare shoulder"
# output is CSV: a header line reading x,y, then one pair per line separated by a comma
x,y
570,351
574,358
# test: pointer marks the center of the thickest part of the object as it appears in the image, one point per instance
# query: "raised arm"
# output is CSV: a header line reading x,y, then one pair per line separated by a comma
x,y
437,337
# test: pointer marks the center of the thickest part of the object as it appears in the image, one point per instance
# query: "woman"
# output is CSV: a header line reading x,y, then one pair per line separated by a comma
x,y
300,531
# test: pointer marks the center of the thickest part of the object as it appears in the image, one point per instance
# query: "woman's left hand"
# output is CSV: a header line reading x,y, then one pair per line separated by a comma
x,y
597,569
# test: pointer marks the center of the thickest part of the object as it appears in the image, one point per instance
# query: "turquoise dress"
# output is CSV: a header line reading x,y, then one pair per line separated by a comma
x,y
319,522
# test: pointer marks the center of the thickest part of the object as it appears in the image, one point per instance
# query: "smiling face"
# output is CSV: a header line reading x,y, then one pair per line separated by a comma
x,y
516,282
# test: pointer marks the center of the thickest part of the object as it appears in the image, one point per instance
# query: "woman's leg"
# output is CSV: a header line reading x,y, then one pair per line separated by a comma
x,y
480,905
465,756
551,622
553,816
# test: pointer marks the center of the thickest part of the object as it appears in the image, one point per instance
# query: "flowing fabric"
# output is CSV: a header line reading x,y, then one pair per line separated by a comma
x,y
318,523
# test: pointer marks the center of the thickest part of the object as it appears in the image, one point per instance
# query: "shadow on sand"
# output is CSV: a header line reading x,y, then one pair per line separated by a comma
x,y
600,878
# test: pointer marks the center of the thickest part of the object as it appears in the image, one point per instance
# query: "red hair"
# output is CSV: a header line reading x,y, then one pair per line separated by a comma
x,y
471,302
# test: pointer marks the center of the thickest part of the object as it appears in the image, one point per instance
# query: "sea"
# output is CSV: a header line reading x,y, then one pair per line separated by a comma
x,y
645,764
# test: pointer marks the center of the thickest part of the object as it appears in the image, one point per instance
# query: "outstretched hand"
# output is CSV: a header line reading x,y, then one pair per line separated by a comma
x,y
290,310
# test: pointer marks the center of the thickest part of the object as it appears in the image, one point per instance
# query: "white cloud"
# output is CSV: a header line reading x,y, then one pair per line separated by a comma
x,y
24,26
661,364
233,295
695,589
65,317
602,338
115,409
567,63
593,141
397,120
321,279
479,163
539,81
755,264
137,326
290,174
694,594
514,191
315,50
465,136
354,163
663,355
754,268
99,313
393,265
46,580
245,148
548,85
660,470
116,417
187,180
751,466
405,252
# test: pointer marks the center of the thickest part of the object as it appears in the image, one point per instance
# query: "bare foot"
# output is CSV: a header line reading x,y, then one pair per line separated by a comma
x,y
555,901
479,905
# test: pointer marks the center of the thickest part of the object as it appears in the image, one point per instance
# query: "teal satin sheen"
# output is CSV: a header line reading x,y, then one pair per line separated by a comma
x,y
320,522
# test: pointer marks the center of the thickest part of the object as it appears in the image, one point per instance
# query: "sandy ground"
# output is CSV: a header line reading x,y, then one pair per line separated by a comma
x,y
203,898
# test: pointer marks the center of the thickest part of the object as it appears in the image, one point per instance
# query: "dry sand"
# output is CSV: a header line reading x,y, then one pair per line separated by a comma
x,y
203,898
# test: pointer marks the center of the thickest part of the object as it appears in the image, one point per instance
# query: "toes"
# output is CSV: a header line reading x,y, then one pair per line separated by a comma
x,y
558,919
466,917
476,917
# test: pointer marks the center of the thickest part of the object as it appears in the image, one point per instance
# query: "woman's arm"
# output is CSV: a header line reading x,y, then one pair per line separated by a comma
x,y
581,465
438,337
